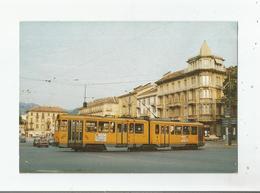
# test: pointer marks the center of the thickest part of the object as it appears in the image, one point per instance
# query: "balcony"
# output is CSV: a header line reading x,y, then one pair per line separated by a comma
x,y
205,117
206,100
191,101
174,104
219,101
159,106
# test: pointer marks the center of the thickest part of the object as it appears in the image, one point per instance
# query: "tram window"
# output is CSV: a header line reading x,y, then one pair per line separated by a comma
x,y
63,125
172,130
194,130
157,129
79,124
167,129
131,128
112,127
80,136
139,128
122,128
103,127
178,130
91,126
125,128
162,129
69,128
57,125
185,130
119,128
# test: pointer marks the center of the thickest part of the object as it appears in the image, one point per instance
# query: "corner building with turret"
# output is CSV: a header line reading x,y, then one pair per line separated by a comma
x,y
195,93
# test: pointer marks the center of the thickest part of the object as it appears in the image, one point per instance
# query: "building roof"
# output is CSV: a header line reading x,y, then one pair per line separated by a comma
x,y
102,101
171,76
47,109
151,91
205,51
136,90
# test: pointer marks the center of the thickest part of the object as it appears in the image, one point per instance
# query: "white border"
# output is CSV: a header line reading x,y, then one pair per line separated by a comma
x,y
245,12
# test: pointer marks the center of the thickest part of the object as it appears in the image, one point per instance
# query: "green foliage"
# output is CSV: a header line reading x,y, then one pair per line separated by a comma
x,y
230,86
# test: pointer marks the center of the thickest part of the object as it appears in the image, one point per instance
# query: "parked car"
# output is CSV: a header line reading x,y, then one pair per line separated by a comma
x,y
36,141
51,141
22,139
43,142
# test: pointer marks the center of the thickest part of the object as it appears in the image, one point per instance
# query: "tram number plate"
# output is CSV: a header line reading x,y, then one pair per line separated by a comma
x,y
184,139
101,137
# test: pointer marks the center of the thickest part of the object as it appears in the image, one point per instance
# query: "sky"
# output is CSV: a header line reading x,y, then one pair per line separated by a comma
x,y
111,58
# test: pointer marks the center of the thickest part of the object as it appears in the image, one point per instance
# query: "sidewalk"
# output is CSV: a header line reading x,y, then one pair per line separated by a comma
x,y
220,143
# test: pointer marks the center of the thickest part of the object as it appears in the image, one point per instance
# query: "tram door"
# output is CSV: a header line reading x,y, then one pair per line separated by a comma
x,y
121,134
200,135
164,136
70,133
75,132
78,132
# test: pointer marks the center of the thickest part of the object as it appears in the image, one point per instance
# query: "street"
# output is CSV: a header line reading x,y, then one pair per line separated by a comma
x,y
214,157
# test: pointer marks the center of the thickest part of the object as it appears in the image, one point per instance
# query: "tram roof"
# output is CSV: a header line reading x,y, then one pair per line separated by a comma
x,y
125,118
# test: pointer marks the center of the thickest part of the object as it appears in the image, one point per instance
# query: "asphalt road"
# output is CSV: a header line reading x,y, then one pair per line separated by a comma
x,y
212,158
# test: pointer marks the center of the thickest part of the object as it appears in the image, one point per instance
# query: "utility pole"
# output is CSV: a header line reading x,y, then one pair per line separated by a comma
x,y
129,104
229,109
85,96
228,113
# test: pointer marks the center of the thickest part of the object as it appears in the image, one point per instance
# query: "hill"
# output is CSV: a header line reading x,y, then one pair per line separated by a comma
x,y
23,107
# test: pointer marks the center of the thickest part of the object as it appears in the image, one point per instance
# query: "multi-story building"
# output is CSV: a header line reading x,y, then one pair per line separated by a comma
x,y
146,103
101,107
194,94
41,120
128,102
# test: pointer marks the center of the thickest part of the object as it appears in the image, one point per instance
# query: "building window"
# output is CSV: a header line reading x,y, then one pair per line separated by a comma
x,y
173,86
179,84
218,81
206,109
193,80
204,80
218,94
205,93
42,115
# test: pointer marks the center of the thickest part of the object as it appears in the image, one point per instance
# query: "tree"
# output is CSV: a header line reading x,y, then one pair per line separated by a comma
x,y
20,119
230,103
230,90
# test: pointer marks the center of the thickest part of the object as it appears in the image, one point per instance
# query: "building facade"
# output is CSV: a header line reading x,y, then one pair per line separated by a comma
x,y
195,93
40,121
128,102
101,107
146,103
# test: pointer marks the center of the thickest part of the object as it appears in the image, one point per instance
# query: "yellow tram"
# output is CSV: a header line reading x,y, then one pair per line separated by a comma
x,y
81,132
